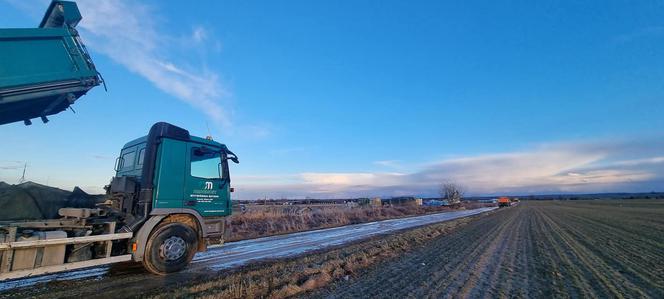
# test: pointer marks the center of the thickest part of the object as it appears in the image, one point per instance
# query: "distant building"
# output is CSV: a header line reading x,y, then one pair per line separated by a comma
x,y
402,201
436,203
372,202
376,202
493,200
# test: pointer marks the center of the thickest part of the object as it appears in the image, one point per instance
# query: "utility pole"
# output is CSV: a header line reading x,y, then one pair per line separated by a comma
x,y
22,180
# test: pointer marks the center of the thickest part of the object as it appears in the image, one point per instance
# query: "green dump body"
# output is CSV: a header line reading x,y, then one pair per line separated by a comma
x,y
44,70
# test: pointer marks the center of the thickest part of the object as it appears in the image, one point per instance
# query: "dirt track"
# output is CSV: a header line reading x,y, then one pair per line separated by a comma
x,y
539,249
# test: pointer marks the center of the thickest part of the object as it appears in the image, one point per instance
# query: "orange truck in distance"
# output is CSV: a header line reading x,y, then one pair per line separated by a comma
x,y
504,202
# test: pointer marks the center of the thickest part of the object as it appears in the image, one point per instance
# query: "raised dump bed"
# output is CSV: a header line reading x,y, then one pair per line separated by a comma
x,y
44,70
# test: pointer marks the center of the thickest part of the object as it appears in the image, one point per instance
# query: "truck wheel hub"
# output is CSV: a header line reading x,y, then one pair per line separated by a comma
x,y
173,248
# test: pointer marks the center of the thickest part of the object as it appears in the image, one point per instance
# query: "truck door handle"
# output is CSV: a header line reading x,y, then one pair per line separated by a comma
x,y
190,202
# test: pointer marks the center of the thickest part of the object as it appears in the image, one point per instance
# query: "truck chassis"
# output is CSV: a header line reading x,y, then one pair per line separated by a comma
x,y
38,256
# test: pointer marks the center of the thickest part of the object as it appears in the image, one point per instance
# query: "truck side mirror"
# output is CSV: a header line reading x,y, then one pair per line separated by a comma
x,y
231,156
118,163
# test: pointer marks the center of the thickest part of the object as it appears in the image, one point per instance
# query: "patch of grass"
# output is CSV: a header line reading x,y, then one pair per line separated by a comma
x,y
261,221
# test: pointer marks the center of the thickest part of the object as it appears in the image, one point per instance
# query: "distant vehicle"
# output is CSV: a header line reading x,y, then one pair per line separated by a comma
x,y
504,202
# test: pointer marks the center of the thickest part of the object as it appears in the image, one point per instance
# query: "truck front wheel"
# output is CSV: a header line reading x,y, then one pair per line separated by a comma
x,y
170,248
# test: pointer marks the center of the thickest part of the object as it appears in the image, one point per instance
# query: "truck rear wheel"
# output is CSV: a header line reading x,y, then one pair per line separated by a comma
x,y
170,248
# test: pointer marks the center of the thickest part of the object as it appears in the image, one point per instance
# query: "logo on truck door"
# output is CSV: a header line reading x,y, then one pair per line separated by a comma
x,y
206,194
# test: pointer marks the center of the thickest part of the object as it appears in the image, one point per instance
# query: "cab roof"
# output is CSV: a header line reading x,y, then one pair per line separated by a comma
x,y
191,139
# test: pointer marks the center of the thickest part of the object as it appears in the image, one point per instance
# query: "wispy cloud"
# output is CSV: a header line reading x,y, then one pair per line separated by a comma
x,y
129,34
395,164
126,33
199,34
604,166
11,165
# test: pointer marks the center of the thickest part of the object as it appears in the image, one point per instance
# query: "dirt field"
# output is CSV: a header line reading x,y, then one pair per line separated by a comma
x,y
599,249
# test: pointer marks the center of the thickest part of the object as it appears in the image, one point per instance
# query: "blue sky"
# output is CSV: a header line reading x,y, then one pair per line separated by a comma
x,y
364,98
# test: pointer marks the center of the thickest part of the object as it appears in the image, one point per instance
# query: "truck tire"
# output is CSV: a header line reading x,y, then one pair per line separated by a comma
x,y
170,248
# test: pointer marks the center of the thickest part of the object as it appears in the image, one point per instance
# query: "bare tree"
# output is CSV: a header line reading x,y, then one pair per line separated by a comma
x,y
452,192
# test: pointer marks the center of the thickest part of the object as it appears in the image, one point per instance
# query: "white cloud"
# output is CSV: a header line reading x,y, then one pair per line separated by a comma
x,y
571,167
199,34
126,33
636,162
349,179
131,35
388,163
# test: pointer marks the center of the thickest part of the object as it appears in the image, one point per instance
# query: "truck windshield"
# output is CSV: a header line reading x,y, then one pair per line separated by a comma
x,y
206,164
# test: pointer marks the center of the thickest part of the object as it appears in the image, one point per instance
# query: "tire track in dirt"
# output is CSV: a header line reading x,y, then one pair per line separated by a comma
x,y
476,259
391,284
506,279
491,262
488,250
419,265
581,281
413,269
622,252
552,263
611,263
652,246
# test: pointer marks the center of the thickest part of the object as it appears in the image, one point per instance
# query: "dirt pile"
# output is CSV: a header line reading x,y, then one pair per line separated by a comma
x,y
30,200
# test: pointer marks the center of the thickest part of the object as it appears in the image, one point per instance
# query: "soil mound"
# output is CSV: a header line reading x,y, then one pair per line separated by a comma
x,y
30,200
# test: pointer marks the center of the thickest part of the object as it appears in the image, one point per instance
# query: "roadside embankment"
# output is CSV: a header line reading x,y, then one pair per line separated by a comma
x,y
262,221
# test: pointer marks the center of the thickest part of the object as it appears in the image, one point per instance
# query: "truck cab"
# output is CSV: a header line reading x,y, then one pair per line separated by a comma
x,y
190,174
169,178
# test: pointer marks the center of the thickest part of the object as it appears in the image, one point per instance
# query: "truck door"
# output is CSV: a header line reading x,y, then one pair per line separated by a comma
x,y
206,186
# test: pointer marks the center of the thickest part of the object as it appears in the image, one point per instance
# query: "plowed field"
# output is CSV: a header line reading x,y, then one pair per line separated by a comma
x,y
598,249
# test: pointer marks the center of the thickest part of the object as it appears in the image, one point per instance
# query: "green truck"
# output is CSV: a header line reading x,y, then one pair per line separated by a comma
x,y
168,200
170,193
